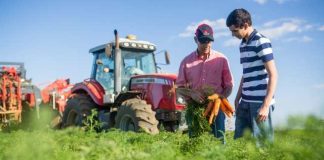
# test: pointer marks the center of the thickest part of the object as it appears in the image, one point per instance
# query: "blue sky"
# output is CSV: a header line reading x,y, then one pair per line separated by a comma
x,y
53,38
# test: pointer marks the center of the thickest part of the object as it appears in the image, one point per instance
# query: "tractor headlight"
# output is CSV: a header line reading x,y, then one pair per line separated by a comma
x,y
133,45
180,99
126,44
138,45
151,47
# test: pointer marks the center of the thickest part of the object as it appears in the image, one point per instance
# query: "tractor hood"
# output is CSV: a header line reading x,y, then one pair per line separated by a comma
x,y
157,89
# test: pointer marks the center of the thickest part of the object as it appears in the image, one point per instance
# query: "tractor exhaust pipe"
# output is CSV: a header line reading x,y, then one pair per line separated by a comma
x,y
117,69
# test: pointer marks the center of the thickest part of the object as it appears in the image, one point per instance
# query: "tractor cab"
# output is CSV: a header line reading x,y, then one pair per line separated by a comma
x,y
137,58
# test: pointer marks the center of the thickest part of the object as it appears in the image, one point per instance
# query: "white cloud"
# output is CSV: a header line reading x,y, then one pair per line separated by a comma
x,y
270,23
232,42
321,28
308,27
277,28
217,25
303,39
222,34
261,1
306,39
279,31
281,1
319,86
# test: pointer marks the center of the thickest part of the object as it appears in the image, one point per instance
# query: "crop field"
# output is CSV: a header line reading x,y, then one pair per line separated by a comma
x,y
303,139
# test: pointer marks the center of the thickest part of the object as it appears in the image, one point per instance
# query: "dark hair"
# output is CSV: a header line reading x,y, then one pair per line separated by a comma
x,y
238,17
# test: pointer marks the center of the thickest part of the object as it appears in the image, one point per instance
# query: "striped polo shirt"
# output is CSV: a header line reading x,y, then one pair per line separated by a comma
x,y
255,52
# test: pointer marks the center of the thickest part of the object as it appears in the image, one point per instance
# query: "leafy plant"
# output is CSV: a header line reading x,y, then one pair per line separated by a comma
x,y
92,123
197,123
74,143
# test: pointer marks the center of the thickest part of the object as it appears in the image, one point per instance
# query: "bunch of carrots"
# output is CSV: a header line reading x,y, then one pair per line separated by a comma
x,y
201,109
216,103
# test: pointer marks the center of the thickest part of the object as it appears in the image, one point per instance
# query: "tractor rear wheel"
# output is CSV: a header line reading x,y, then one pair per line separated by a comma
x,y
76,111
135,115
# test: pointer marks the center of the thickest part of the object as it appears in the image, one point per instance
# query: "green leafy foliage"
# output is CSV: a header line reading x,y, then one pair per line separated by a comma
x,y
197,123
305,142
91,122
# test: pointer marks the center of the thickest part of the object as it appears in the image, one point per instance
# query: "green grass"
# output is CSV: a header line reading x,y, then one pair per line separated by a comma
x,y
305,142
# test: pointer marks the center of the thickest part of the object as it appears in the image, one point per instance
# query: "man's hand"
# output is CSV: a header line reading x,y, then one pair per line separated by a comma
x,y
263,113
197,96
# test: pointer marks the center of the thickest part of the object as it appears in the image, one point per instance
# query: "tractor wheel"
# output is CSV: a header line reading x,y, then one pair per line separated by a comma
x,y
135,115
76,111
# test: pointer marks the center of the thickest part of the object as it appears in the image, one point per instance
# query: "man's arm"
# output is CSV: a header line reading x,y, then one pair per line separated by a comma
x,y
273,77
181,79
227,79
227,91
238,94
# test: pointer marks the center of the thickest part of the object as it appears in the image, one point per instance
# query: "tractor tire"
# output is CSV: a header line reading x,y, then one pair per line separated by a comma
x,y
135,115
76,111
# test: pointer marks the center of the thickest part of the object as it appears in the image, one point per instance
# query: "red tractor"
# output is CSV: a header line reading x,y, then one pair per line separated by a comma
x,y
17,94
126,90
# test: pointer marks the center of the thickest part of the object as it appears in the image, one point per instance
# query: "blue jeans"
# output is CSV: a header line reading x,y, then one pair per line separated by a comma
x,y
218,127
246,118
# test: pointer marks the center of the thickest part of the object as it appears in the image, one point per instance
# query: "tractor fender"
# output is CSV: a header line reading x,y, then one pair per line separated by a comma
x,y
91,88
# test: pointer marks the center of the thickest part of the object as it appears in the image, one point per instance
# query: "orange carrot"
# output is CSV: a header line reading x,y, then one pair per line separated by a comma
x,y
213,97
226,111
208,108
215,110
227,105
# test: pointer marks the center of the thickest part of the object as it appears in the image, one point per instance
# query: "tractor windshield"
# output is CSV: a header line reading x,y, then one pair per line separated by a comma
x,y
136,63
133,62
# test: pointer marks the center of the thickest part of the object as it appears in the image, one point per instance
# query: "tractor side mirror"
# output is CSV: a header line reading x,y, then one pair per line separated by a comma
x,y
108,50
167,57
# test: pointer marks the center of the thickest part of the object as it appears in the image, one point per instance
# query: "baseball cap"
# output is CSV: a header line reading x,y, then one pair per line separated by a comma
x,y
204,33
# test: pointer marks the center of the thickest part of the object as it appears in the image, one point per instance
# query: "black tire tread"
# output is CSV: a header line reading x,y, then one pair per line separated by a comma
x,y
141,113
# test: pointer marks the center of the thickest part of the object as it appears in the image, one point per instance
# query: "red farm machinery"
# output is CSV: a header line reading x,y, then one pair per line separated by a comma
x,y
17,94
126,90
56,94
54,97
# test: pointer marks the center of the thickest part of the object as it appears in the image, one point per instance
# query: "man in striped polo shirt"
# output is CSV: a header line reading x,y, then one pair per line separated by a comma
x,y
255,97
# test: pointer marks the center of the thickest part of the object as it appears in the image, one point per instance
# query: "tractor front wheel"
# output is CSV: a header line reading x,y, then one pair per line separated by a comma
x,y
76,111
135,115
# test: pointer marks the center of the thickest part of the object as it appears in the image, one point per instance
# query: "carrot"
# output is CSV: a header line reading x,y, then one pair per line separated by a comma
x,y
222,107
226,111
208,108
213,97
227,105
215,110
